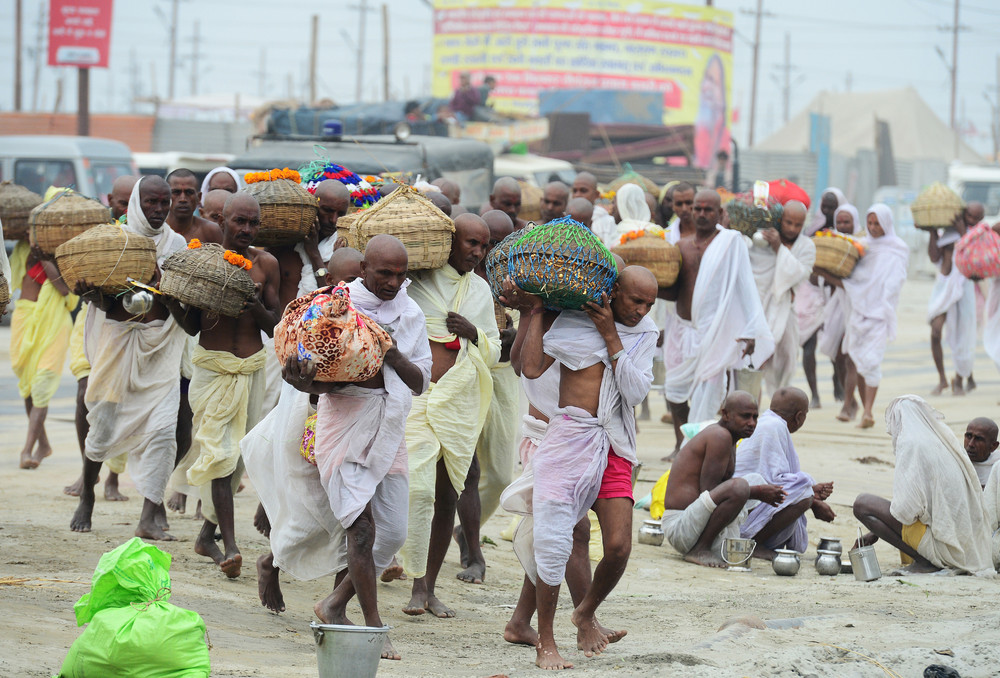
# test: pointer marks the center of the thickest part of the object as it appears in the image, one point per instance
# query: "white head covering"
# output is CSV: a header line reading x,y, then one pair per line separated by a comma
x,y
841,198
820,220
217,170
890,241
631,201
167,240
853,211
5,264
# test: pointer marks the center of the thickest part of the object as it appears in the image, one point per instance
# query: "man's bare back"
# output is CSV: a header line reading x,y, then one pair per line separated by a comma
x,y
704,463
201,229
581,388
241,336
692,250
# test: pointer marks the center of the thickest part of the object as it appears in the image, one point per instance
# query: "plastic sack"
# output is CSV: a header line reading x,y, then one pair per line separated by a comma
x,y
977,253
132,629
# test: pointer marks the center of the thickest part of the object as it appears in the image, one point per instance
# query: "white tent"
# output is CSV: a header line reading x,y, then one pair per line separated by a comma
x,y
916,132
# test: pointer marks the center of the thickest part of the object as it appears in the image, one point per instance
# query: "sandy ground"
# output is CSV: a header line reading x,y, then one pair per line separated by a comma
x,y
672,609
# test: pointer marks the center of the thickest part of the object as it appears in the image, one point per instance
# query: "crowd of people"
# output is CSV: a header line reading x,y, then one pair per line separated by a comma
x,y
366,481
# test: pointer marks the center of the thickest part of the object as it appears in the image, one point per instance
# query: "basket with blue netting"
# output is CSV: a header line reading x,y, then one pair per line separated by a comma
x,y
496,260
564,263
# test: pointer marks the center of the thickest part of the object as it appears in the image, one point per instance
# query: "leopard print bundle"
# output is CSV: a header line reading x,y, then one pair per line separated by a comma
x,y
345,344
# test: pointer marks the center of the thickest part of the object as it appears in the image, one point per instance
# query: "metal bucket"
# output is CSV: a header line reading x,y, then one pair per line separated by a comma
x,y
864,562
750,380
348,651
736,553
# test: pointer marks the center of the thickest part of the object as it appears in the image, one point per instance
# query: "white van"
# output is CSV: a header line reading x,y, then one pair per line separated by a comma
x,y
534,170
976,183
88,165
162,164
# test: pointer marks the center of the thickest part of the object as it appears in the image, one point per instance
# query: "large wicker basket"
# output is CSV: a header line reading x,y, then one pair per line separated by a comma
x,y
16,203
287,212
564,263
64,217
202,278
496,260
654,253
106,256
936,207
531,202
423,228
836,254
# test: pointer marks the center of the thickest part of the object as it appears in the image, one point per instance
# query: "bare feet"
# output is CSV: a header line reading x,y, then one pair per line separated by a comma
x,y
232,565
261,521
867,421
706,557
389,652
848,412
956,387
589,636
197,512
153,531
205,545
913,568
74,489
438,609
670,457
548,657
393,572
328,612
177,502
613,636
463,547
160,517
473,574
81,518
763,553
41,451
667,418
814,403
111,492
27,461
939,389
520,634
970,384
417,605
268,586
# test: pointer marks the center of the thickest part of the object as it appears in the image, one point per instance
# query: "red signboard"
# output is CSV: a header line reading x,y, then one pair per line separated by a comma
x,y
79,33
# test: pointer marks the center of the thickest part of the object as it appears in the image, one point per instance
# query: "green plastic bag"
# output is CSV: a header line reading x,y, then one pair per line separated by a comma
x,y
132,629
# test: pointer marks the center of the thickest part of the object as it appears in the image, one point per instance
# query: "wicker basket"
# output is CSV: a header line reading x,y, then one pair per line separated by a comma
x,y
654,253
500,315
4,294
16,203
287,212
496,260
106,256
531,202
747,218
204,279
837,255
64,217
936,207
633,177
564,263
423,228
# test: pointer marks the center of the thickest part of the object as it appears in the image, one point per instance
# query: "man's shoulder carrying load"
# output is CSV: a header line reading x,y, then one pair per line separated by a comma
x,y
287,209
209,277
106,256
16,203
936,207
64,217
747,217
424,230
564,263
651,250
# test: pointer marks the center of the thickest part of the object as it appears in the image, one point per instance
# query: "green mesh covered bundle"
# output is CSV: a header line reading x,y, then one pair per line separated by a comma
x,y
747,218
564,263
496,260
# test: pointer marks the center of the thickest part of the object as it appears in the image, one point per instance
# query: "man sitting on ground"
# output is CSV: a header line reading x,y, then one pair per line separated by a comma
x,y
981,446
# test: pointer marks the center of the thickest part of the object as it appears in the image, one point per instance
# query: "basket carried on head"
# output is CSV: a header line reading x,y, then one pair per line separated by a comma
x,y
564,263
64,217
424,230
203,277
363,194
747,218
496,260
287,209
345,344
836,254
652,251
936,207
632,177
106,256
977,253
16,203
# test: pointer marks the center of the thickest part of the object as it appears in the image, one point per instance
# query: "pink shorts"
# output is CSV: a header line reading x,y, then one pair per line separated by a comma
x,y
617,480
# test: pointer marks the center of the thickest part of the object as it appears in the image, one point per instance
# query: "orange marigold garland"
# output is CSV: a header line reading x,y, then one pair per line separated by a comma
x,y
831,234
194,244
273,175
237,260
633,235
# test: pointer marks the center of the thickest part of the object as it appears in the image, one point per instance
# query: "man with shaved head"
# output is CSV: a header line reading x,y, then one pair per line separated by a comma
x,y
506,197
212,204
719,325
778,269
360,453
770,454
952,304
121,190
439,200
681,201
184,201
705,503
586,457
981,446
228,368
602,223
446,421
450,189
582,210
554,199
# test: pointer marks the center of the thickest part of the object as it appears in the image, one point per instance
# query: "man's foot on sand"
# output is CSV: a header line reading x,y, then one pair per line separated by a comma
x,y
41,451
177,502
232,565
428,603
970,384
867,421
473,574
207,547
416,606
613,636
706,558
589,637
74,489
463,547
848,412
82,516
913,568
197,512
956,387
670,457
111,493
327,612
261,521
393,572
814,403
548,657
667,418
27,461
763,553
153,531
939,389
388,651
160,517
268,586
520,634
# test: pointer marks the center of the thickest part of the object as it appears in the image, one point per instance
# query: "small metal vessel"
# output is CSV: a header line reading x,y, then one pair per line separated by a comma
x,y
651,533
138,302
828,562
786,562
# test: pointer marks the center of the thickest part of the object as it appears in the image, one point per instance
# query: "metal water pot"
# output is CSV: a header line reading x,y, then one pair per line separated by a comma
x,y
786,562
830,544
651,533
828,562
864,562
138,302
736,553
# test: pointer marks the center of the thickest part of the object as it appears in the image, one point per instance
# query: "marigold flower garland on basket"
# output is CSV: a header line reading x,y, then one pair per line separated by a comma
x,y
831,234
273,175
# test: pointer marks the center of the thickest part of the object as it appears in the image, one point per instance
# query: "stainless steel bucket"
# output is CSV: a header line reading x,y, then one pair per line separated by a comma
x,y
348,651
736,553
864,562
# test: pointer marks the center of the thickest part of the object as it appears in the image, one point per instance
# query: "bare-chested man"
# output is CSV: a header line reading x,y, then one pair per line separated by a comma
x,y
212,204
228,367
506,197
586,457
682,204
554,200
704,503
184,200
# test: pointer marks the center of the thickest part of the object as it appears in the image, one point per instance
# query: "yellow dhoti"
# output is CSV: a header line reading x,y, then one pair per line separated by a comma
x,y
39,339
497,446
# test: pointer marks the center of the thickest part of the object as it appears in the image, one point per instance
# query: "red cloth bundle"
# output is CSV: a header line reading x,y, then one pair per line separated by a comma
x,y
977,253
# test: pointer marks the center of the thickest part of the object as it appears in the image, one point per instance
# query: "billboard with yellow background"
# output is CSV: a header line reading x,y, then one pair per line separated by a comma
x,y
681,51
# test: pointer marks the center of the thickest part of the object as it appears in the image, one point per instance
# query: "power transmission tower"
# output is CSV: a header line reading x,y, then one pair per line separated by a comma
x,y
785,81
759,13
362,9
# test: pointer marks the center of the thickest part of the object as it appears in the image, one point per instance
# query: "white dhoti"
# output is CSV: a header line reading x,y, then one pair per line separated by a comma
x,y
684,527
831,337
497,445
991,328
954,296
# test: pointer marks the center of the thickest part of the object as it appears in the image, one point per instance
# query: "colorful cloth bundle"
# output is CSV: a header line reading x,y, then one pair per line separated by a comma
x,y
308,447
363,194
977,253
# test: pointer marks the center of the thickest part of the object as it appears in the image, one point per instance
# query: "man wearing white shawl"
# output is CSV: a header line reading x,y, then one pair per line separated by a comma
x,y
588,451
981,446
936,517
785,261
446,420
134,385
350,509
720,324
221,178
991,503
770,453
633,213
952,306
872,290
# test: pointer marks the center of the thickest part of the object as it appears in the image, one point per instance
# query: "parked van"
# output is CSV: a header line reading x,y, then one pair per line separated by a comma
x,y
534,170
162,164
977,183
89,165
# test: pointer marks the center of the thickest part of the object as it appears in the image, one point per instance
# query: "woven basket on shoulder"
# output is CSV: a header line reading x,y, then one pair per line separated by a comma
x,y
936,207
64,217
16,203
836,255
496,260
287,211
202,278
654,253
564,263
531,202
423,228
748,218
106,256
4,294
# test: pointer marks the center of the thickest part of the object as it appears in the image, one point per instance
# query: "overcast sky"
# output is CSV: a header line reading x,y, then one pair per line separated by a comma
x,y
868,45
